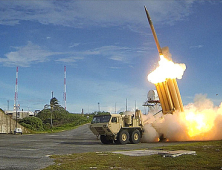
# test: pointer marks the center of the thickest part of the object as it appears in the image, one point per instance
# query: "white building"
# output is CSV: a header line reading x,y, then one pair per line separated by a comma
x,y
20,114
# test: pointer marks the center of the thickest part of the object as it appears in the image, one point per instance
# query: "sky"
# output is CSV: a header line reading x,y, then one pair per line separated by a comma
x,y
108,50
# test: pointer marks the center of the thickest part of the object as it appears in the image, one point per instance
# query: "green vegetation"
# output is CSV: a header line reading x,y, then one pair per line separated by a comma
x,y
32,123
101,113
54,118
208,156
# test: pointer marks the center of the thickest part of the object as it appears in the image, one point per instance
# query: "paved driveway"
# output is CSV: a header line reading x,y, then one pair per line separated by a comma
x,y
32,151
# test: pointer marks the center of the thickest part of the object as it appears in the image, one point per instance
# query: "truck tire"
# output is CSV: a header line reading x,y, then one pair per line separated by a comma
x,y
135,137
123,137
105,140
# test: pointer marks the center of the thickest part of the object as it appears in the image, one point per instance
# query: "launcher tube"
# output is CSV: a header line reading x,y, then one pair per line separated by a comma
x,y
162,88
169,98
178,95
173,94
160,97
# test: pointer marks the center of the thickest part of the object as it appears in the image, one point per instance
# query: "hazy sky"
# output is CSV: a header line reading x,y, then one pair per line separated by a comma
x,y
108,50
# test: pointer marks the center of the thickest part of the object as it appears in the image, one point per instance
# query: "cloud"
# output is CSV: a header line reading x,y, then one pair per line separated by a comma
x,y
115,53
196,46
74,45
92,13
71,59
115,68
24,56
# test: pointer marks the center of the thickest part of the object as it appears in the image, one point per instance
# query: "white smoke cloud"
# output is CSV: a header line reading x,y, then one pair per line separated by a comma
x,y
150,134
200,120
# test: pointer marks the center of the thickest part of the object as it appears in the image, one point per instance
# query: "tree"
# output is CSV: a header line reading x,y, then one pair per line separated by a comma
x,y
45,115
53,113
102,113
33,123
54,103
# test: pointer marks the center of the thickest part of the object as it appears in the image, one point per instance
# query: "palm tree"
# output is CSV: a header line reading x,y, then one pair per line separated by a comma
x,y
54,103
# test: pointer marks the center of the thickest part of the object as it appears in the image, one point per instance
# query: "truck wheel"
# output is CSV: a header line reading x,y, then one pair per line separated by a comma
x,y
105,140
135,137
123,137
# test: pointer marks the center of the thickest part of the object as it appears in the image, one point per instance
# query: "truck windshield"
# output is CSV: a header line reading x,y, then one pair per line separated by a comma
x,y
101,119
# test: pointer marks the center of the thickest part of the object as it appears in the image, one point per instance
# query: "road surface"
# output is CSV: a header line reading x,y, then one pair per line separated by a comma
x,y
28,152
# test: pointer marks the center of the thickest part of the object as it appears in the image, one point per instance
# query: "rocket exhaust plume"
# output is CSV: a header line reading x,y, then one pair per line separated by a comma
x,y
167,69
200,120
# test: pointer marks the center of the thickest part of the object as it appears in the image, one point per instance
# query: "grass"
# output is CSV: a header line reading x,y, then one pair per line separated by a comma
x,y
57,129
73,123
208,156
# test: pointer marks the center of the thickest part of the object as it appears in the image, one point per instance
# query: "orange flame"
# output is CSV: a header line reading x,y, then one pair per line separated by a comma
x,y
166,69
198,123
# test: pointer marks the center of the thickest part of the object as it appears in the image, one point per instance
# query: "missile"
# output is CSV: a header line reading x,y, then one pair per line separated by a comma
x,y
153,31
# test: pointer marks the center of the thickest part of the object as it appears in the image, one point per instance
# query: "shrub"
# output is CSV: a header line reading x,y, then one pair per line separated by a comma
x,y
32,123
47,126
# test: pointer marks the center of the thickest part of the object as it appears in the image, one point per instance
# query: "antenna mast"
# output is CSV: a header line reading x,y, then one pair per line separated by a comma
x,y
16,91
126,104
64,95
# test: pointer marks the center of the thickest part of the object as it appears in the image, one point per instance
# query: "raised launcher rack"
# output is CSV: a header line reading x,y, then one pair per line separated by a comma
x,y
169,96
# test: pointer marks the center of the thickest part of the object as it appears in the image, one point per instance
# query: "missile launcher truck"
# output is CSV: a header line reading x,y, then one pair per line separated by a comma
x,y
120,129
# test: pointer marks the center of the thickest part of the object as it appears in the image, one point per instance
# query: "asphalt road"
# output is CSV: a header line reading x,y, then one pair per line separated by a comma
x,y
24,152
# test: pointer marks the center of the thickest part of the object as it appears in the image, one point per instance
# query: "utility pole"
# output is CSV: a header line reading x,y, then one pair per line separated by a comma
x,y
126,104
64,94
98,107
51,110
135,106
8,104
16,98
16,90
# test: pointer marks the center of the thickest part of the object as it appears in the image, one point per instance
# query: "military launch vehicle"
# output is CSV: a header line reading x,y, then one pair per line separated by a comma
x,y
121,129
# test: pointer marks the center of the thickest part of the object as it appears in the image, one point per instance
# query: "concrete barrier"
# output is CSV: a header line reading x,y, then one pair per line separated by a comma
x,y
7,124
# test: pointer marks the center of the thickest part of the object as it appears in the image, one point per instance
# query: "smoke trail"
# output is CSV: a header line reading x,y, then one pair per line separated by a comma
x,y
200,120
166,53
